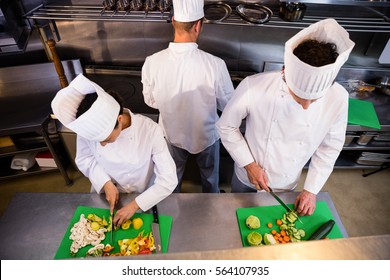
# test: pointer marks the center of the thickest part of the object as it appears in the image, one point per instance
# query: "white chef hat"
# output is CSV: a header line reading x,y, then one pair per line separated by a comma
x,y
310,82
98,122
188,10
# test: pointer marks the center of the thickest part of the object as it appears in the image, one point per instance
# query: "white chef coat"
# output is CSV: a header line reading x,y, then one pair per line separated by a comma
x,y
280,135
187,85
138,161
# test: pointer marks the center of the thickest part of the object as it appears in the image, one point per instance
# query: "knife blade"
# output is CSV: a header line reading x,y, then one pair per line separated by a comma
x,y
282,203
156,229
112,228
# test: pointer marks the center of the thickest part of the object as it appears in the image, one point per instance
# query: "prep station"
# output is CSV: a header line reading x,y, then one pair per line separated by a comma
x,y
204,226
109,46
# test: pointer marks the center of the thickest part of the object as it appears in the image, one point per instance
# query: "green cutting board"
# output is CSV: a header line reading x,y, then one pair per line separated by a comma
x,y
362,112
269,214
63,251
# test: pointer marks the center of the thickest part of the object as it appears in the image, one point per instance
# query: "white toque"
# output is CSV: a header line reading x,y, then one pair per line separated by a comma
x,y
98,122
310,82
188,10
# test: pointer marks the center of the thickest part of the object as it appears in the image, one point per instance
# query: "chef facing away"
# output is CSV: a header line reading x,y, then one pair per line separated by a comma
x,y
112,150
188,86
293,116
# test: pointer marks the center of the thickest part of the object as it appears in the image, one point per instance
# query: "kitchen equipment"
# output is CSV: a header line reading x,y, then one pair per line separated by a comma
x,y
136,5
269,214
112,228
292,11
377,159
63,251
164,5
108,5
366,137
156,229
282,203
363,113
384,85
349,137
123,5
150,5
216,12
254,13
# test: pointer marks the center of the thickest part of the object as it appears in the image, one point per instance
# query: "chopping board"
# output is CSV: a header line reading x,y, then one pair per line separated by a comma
x,y
63,251
269,214
362,112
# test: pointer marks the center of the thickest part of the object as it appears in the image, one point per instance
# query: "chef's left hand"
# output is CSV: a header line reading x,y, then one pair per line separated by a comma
x,y
305,204
125,213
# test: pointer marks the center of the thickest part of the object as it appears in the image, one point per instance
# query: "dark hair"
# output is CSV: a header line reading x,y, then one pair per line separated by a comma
x,y
89,99
316,53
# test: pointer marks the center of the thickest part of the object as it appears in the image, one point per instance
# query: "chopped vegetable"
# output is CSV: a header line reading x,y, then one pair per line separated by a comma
x,y
137,223
252,222
279,222
126,225
269,239
269,225
254,238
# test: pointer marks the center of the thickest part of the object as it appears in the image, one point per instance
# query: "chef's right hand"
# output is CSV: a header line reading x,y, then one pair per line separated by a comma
x,y
257,176
112,194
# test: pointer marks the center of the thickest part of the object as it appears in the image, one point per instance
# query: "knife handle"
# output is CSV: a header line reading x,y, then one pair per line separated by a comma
x,y
155,214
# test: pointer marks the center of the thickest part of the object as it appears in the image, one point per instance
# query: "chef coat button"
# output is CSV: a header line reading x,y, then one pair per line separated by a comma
x,y
301,143
275,120
294,160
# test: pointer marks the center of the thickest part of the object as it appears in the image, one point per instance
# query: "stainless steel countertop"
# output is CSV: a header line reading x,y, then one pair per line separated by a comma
x,y
34,224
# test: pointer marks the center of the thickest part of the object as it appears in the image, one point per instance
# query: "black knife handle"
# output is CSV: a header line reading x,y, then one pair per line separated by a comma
x,y
155,214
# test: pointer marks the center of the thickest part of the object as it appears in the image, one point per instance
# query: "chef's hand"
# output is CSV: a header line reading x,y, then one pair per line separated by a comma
x,y
112,194
125,213
305,204
257,176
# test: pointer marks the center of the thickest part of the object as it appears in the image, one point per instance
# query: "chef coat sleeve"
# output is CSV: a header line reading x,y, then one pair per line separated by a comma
x,y
87,164
324,158
224,87
229,125
165,174
147,84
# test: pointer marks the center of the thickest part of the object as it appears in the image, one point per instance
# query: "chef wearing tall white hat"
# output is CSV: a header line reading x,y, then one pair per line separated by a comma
x,y
293,116
187,86
112,150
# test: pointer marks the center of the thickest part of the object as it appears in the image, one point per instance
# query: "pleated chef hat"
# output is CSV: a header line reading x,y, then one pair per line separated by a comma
x,y
188,10
310,82
98,122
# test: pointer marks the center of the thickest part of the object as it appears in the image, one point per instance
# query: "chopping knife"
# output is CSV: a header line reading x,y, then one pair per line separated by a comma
x,y
112,228
156,230
282,203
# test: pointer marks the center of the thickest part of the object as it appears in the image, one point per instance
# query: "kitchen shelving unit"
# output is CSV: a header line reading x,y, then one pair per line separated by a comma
x,y
376,23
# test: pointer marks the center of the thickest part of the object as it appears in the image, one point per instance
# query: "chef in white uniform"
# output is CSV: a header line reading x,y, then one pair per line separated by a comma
x,y
187,86
293,116
117,150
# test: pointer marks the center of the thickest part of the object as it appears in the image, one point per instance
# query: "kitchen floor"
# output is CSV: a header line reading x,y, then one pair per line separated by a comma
x,y
362,202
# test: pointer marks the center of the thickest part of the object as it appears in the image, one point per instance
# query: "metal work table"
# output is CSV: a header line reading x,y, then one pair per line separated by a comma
x,y
34,224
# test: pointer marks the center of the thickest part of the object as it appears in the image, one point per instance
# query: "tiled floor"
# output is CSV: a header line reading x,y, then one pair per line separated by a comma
x,y
362,202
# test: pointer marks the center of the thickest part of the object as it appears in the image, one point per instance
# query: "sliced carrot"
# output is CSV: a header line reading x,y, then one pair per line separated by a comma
x,y
283,233
280,239
269,225
283,242
286,238
277,234
279,222
273,232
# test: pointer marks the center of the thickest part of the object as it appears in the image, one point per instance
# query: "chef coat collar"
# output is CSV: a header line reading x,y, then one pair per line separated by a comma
x,y
182,47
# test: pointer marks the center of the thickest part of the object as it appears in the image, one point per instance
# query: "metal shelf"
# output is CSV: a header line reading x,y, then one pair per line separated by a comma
x,y
96,13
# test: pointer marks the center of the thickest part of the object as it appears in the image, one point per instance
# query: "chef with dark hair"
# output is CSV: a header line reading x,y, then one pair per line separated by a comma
x,y
117,150
293,116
